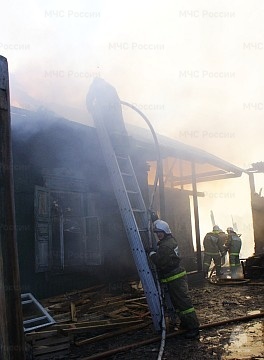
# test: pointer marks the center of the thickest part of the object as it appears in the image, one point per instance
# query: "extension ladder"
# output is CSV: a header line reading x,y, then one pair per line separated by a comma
x,y
132,209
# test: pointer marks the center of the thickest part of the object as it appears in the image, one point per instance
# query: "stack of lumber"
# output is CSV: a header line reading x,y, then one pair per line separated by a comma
x,y
47,345
87,316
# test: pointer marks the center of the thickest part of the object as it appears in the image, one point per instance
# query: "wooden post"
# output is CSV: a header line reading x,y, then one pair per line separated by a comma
x,y
11,321
257,233
251,183
196,218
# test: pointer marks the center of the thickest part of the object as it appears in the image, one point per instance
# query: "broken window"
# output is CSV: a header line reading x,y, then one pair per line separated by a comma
x,y
67,232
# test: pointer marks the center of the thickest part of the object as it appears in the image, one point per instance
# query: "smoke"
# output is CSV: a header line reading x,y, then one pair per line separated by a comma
x,y
195,70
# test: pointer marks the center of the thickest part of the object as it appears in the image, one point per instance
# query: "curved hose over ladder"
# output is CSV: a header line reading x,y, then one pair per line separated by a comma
x,y
158,179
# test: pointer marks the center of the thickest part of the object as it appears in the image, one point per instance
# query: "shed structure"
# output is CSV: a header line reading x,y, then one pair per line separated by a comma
x,y
69,229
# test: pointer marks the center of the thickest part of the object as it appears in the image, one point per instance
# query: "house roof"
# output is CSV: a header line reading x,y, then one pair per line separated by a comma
x,y
177,156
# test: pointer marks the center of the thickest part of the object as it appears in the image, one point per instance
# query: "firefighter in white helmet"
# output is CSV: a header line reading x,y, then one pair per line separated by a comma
x,y
167,261
214,249
233,246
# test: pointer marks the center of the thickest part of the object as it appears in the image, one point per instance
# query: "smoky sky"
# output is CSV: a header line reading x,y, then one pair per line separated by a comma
x,y
194,68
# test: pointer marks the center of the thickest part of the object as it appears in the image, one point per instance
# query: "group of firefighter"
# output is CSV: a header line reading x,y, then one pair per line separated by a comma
x,y
217,244
173,276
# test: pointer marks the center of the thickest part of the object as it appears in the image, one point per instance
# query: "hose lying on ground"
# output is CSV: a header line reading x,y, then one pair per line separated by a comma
x,y
106,354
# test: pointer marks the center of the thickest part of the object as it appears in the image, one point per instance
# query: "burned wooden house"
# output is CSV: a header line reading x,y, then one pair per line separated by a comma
x,y
254,265
69,230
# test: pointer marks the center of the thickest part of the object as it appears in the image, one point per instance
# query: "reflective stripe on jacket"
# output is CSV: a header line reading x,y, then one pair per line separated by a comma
x,y
212,244
173,277
234,244
166,258
187,311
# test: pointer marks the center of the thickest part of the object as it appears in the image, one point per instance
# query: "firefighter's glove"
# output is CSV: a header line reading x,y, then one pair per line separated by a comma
x,y
153,216
152,253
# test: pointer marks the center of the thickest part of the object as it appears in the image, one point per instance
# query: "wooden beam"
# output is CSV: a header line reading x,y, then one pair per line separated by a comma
x,y
110,353
77,328
201,178
11,321
196,219
111,334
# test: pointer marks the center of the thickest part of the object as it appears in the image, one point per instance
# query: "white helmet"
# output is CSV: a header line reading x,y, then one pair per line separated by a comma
x,y
216,228
160,225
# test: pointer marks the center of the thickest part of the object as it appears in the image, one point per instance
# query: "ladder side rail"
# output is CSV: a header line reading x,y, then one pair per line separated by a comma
x,y
139,199
130,224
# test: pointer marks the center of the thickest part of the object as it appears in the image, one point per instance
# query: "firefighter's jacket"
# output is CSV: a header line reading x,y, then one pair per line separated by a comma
x,y
167,261
222,241
233,244
166,258
214,242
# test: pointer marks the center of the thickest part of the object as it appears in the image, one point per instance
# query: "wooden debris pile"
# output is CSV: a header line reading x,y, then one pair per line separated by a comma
x,y
47,344
88,316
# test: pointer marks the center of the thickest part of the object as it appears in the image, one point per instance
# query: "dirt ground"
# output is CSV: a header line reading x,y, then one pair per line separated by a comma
x,y
213,303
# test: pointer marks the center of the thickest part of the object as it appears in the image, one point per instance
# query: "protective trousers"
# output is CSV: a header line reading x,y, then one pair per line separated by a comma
x,y
181,300
207,262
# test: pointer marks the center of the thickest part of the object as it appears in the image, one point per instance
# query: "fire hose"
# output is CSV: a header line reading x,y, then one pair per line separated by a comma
x,y
158,179
129,347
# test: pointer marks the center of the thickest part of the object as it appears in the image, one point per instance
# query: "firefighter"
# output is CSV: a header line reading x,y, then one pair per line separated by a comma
x,y
167,261
233,246
214,249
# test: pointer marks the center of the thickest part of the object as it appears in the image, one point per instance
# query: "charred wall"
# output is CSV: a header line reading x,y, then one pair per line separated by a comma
x,y
57,154
61,179
257,204
178,215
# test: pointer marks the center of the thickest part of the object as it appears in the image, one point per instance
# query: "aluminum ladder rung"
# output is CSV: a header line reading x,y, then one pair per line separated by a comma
x,y
138,210
35,320
26,302
122,157
132,192
134,217
126,174
34,314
